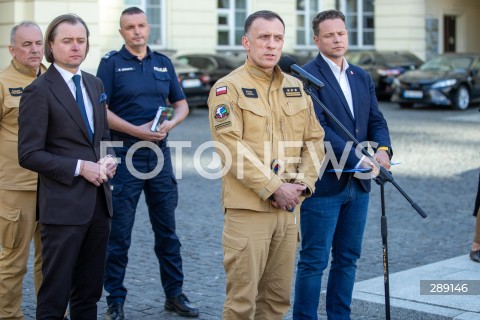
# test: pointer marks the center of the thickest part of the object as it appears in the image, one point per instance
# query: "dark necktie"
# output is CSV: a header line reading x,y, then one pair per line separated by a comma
x,y
81,104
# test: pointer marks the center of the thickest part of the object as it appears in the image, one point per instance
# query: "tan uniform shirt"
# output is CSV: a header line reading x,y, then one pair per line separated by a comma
x,y
260,121
13,80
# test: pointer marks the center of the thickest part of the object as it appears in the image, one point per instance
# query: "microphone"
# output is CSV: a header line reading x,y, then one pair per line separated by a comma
x,y
287,63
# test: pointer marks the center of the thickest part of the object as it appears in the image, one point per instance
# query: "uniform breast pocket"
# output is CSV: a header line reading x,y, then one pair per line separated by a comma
x,y
162,82
255,120
10,112
295,118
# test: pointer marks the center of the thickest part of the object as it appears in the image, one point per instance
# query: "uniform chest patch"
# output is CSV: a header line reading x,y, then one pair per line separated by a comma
x,y
160,69
15,92
250,93
292,92
221,112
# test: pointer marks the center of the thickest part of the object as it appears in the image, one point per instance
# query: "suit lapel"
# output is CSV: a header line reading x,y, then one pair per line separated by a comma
x,y
355,94
64,96
93,95
333,82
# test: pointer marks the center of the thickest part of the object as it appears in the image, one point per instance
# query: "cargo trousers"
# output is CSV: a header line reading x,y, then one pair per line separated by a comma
x,y
18,226
259,255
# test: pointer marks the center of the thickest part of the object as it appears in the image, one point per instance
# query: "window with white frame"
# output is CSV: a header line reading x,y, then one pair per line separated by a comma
x,y
155,11
359,16
306,10
231,15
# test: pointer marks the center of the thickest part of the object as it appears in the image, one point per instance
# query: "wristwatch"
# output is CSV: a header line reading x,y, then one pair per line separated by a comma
x,y
388,150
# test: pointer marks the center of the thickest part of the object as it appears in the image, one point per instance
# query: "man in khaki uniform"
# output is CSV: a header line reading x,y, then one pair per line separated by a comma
x,y
271,145
17,185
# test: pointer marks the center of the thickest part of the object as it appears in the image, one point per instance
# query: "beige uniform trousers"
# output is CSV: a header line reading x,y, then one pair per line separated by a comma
x,y
17,228
259,255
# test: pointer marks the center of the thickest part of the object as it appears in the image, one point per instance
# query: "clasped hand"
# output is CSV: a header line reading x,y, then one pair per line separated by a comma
x,y
382,159
143,131
100,172
287,196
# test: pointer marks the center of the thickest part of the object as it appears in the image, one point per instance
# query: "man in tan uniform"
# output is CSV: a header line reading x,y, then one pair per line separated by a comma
x,y
17,185
271,145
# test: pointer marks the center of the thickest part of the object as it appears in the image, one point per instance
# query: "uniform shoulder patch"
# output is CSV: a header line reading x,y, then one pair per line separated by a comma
x,y
250,93
221,90
221,112
16,92
109,54
292,92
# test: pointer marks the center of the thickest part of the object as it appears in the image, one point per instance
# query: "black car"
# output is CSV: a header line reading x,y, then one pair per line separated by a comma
x,y
195,84
384,66
214,65
450,79
299,58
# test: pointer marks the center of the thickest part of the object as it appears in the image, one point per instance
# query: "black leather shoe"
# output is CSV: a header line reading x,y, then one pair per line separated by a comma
x,y
475,255
181,305
115,312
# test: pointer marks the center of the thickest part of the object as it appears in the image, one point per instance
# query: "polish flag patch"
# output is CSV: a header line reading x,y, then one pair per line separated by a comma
x,y
221,90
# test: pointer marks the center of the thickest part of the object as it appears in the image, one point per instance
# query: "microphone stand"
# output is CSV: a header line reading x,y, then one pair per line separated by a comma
x,y
383,177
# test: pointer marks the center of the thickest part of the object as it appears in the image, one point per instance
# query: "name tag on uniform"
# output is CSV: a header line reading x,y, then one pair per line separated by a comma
x,y
292,92
15,92
250,93
125,69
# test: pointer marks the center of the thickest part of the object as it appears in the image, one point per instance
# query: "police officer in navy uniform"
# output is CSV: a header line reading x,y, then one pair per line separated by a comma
x,y
137,81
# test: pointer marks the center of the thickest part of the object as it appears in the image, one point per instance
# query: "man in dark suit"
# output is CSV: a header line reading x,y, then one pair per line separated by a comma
x,y
62,123
334,217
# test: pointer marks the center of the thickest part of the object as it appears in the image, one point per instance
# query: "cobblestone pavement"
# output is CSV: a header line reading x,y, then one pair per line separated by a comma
x,y
439,154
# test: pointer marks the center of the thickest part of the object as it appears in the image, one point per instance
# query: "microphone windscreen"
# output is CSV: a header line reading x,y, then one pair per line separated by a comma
x,y
285,62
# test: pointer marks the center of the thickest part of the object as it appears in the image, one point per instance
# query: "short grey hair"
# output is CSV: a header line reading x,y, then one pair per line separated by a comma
x,y
15,28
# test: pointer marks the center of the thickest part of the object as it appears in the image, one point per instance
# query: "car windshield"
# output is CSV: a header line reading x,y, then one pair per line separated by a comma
x,y
399,58
393,58
447,63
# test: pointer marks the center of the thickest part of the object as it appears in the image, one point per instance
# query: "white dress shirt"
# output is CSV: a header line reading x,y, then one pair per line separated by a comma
x,y
341,76
68,77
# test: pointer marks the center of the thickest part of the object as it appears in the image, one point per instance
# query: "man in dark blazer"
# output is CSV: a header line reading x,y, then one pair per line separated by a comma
x,y
62,122
333,219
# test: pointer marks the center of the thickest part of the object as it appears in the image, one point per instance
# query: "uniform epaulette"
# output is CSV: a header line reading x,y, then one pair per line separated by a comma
x,y
109,54
161,54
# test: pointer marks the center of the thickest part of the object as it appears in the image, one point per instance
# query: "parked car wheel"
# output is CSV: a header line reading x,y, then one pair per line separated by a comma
x,y
462,98
405,105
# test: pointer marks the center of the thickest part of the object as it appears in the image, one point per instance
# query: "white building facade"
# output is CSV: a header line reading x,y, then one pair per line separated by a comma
x,y
425,27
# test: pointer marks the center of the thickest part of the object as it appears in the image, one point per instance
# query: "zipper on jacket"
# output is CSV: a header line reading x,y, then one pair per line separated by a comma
x,y
282,127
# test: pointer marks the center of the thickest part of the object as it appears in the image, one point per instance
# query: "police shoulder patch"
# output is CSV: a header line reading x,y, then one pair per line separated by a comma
x,y
250,93
292,92
16,92
221,113
109,54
